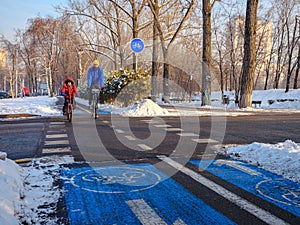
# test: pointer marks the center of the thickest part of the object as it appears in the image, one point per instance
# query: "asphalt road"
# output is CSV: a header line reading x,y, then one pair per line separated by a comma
x,y
25,138
166,147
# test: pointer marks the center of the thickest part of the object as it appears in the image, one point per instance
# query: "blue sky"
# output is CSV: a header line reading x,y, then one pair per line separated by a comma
x,y
15,13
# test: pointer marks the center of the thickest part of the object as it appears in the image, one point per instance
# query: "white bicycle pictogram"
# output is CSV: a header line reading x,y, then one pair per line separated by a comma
x,y
116,179
280,191
124,178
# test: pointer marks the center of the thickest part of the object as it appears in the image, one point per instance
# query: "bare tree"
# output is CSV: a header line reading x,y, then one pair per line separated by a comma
x,y
168,38
292,43
45,32
29,56
12,53
206,54
249,61
154,74
136,9
297,68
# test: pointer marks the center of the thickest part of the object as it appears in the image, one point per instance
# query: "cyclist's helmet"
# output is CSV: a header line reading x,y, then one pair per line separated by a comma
x,y
69,79
96,62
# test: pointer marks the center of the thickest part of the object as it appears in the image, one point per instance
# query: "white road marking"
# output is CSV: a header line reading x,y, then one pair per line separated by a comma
x,y
56,150
162,125
145,147
204,140
119,131
130,138
151,121
187,134
83,109
59,142
179,222
57,126
172,110
237,165
56,131
146,214
239,201
105,121
173,129
57,123
50,136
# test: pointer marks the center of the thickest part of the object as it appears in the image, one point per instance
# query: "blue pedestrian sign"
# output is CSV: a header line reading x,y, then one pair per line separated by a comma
x,y
137,45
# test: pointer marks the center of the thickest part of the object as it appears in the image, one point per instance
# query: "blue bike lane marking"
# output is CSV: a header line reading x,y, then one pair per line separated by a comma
x,y
268,186
132,194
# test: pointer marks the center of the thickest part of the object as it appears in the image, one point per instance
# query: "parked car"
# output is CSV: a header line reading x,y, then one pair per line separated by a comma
x,y
4,94
25,92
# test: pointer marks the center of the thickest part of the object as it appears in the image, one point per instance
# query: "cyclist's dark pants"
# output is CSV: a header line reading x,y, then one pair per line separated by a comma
x,y
67,102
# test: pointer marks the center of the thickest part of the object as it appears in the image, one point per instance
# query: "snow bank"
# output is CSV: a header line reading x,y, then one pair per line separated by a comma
x,y
282,158
41,105
12,191
41,190
29,194
270,99
144,108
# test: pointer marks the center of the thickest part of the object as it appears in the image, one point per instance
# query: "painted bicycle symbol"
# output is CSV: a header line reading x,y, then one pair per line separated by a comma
x,y
116,179
280,190
125,178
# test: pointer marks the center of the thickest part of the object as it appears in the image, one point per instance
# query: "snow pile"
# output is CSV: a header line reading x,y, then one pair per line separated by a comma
x,y
278,99
41,105
282,158
12,191
270,99
30,193
144,107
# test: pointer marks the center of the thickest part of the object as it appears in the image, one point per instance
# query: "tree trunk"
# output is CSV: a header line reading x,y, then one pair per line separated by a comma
x,y
206,55
166,97
279,59
154,91
249,60
297,70
134,33
291,46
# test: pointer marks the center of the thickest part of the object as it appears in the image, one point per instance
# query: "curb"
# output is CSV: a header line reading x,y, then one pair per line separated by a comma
x,y
25,160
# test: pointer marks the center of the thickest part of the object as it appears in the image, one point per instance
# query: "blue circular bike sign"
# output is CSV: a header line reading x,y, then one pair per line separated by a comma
x,y
137,45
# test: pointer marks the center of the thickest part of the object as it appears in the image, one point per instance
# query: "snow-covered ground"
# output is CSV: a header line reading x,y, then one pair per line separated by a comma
x,y
281,158
280,101
28,192
41,105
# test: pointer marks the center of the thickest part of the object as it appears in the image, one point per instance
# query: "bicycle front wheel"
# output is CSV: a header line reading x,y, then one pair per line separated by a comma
x,y
69,114
95,112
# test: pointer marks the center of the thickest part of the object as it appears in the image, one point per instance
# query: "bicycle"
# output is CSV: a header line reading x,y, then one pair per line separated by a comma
x,y
94,103
69,112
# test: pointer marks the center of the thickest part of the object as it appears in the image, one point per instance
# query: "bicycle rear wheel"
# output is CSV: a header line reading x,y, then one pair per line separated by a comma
x,y
95,111
69,113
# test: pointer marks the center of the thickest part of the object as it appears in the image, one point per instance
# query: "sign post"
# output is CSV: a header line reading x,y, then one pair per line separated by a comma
x,y
137,46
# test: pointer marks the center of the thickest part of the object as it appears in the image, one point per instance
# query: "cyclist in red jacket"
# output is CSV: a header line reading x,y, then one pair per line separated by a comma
x,y
69,91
